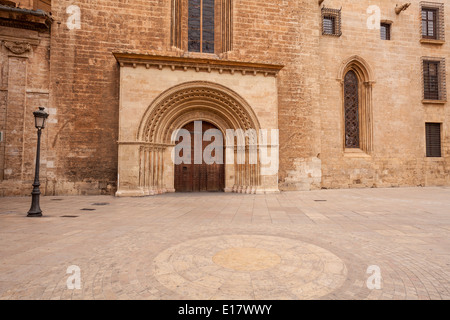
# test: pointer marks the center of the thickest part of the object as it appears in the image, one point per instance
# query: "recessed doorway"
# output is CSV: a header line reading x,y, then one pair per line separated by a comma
x,y
191,177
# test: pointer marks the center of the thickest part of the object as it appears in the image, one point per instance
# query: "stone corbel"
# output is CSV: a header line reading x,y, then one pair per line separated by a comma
x,y
17,47
400,8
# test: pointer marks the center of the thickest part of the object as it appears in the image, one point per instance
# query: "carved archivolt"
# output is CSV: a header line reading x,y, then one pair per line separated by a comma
x,y
206,97
360,66
17,47
186,103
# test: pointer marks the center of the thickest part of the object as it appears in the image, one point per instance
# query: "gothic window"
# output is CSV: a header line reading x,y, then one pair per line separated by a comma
x,y
203,26
351,105
356,78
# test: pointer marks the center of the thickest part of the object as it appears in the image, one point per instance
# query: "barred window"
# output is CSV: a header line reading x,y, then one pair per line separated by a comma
x,y
433,27
431,80
434,87
331,22
329,25
433,139
385,31
429,20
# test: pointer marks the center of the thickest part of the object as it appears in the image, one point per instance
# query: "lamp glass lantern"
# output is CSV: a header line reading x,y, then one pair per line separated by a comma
x,y
40,117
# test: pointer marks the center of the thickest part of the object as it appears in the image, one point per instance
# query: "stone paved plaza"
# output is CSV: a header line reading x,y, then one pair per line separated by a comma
x,y
292,245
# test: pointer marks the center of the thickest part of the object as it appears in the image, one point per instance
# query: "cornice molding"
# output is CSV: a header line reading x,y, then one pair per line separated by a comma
x,y
37,20
198,64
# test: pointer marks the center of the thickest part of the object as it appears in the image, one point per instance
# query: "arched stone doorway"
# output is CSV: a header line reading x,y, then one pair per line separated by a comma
x,y
200,177
183,104
160,95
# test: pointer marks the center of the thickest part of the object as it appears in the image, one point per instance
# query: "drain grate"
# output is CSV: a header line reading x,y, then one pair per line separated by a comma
x,y
88,209
100,204
320,200
69,216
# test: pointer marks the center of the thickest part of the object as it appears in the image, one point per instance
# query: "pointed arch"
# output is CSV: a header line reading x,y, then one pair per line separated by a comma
x,y
357,80
359,66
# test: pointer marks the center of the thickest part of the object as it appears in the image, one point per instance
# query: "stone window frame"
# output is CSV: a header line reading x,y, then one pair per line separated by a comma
x,y
336,17
440,22
365,87
223,27
442,87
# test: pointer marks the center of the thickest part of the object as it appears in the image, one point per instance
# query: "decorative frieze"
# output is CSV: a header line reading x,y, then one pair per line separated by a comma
x,y
197,64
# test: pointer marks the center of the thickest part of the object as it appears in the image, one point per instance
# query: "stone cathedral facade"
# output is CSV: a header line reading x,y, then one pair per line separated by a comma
x,y
353,94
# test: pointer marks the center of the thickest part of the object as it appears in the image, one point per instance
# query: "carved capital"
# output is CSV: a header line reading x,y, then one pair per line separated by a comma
x,y
17,47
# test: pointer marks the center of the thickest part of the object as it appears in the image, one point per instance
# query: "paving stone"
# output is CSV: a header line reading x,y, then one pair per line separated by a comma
x,y
218,246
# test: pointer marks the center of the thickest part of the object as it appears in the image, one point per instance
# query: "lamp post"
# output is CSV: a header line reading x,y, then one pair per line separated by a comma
x,y
39,119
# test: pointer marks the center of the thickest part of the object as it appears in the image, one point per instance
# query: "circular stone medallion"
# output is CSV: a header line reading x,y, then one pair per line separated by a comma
x,y
246,259
249,267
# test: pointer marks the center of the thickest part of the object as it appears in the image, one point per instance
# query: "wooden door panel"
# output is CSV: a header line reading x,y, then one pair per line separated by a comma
x,y
199,177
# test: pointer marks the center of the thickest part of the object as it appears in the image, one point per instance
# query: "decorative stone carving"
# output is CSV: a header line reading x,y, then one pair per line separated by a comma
x,y
17,47
400,8
197,64
228,103
185,103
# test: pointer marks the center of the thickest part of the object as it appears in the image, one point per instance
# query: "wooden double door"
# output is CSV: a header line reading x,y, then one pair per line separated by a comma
x,y
191,177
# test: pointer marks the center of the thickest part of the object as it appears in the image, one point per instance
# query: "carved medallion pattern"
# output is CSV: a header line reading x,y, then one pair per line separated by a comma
x,y
17,47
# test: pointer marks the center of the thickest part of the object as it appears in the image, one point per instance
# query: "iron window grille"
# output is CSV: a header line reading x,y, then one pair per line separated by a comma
x,y
433,20
434,82
433,140
351,105
385,31
331,22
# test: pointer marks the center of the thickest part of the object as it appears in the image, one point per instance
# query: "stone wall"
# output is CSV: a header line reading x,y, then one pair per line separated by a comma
x,y
81,141
24,80
85,78
398,157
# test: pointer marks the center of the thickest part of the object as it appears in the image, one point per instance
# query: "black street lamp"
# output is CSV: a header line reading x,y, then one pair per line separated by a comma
x,y
39,118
